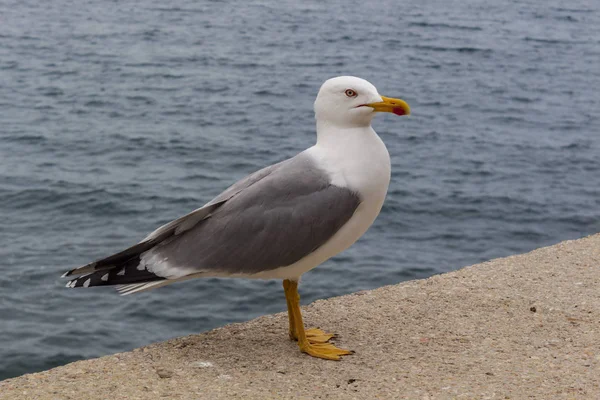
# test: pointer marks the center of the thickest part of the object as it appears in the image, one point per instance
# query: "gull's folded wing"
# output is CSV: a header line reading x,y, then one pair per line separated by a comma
x,y
271,219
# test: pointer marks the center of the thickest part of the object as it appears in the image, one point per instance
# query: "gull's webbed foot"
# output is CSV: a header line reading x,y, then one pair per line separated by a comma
x,y
323,350
315,335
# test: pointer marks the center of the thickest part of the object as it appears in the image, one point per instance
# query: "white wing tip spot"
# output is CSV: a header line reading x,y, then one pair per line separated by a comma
x,y
121,272
104,277
87,283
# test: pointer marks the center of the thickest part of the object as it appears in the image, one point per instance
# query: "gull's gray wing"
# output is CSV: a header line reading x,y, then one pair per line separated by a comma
x,y
272,223
271,219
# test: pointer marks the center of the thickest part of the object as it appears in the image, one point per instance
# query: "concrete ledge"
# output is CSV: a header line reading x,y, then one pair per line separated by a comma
x,y
525,326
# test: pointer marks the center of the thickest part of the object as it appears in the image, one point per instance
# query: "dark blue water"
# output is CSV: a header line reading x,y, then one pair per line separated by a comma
x,y
116,117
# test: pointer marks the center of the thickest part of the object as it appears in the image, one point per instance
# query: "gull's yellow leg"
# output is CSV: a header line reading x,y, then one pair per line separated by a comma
x,y
312,341
314,335
286,288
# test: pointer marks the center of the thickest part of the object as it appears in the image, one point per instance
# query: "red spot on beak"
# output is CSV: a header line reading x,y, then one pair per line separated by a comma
x,y
399,111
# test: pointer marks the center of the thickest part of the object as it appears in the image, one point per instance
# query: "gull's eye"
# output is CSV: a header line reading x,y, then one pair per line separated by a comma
x,y
350,93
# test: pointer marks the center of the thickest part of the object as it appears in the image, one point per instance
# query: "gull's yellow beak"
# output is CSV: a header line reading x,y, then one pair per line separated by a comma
x,y
396,106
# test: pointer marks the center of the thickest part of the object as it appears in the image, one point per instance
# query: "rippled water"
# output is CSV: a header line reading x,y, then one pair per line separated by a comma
x,y
117,117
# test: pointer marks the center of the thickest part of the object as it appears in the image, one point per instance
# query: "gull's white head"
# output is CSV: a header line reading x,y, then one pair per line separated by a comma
x,y
348,101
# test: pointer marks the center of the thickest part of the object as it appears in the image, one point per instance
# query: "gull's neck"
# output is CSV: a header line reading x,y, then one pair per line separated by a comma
x,y
354,157
335,136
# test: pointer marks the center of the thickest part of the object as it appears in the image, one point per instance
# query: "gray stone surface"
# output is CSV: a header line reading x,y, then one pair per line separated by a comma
x,y
521,327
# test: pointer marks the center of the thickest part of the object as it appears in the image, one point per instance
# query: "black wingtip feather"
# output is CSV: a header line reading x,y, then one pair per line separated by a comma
x,y
125,273
114,261
86,269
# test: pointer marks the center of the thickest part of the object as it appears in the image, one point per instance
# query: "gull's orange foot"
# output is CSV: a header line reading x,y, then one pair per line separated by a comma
x,y
314,335
324,350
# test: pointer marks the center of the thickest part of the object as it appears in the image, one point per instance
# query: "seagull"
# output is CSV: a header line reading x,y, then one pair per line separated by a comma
x,y
278,222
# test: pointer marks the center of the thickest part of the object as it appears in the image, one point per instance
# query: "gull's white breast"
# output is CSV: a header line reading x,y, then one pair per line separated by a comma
x,y
357,160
